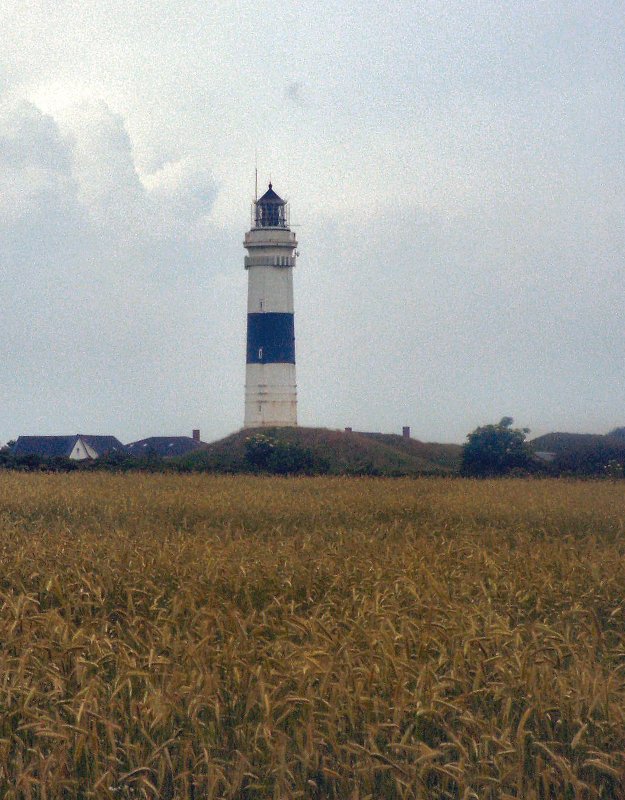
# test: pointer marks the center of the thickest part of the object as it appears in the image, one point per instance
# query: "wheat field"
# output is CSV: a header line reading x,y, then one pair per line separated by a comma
x,y
192,636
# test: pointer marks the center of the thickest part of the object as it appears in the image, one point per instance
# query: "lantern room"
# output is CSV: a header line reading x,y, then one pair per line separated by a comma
x,y
270,211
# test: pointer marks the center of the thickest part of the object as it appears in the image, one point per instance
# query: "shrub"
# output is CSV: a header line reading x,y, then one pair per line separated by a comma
x,y
496,450
266,453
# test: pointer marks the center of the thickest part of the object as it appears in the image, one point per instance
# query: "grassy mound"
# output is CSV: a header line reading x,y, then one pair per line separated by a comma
x,y
562,442
337,452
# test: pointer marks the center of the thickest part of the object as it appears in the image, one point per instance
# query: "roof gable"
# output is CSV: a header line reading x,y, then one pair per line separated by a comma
x,y
164,446
45,446
103,444
62,446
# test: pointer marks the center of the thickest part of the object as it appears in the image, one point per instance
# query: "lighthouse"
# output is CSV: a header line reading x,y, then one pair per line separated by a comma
x,y
270,388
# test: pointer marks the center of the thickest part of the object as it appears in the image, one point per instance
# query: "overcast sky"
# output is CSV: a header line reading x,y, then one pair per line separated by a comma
x,y
456,174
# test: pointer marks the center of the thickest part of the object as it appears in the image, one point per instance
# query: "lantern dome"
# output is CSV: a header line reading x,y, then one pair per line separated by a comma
x,y
271,210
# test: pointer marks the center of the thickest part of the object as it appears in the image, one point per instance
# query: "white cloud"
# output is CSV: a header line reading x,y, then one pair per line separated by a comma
x,y
35,163
98,272
103,167
184,192
456,174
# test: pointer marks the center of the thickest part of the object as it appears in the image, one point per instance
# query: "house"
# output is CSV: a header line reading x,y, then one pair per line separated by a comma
x,y
77,448
166,446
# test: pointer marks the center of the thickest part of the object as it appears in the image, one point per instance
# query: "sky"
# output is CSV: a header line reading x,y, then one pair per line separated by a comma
x,y
456,179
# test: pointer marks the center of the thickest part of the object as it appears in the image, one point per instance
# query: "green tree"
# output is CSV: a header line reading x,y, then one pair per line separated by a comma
x,y
495,450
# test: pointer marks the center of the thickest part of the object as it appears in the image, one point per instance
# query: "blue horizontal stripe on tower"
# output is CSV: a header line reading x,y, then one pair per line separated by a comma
x,y
270,338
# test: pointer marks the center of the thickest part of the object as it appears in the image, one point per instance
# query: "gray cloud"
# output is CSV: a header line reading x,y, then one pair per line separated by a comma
x,y
449,320
293,92
457,184
96,270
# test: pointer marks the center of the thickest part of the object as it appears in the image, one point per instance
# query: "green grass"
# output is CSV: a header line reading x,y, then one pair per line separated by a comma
x,y
341,453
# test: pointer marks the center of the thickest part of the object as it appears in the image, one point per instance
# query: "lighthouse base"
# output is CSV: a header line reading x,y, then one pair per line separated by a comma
x,y
270,396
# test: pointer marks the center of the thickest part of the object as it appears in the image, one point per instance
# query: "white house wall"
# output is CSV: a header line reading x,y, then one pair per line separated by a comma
x,y
81,451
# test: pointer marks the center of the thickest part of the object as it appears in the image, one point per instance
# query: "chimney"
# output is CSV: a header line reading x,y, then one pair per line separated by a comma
x,y
348,430
196,434
405,432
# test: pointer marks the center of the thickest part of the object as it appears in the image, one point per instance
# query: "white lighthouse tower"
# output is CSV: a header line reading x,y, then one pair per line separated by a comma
x,y
270,389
